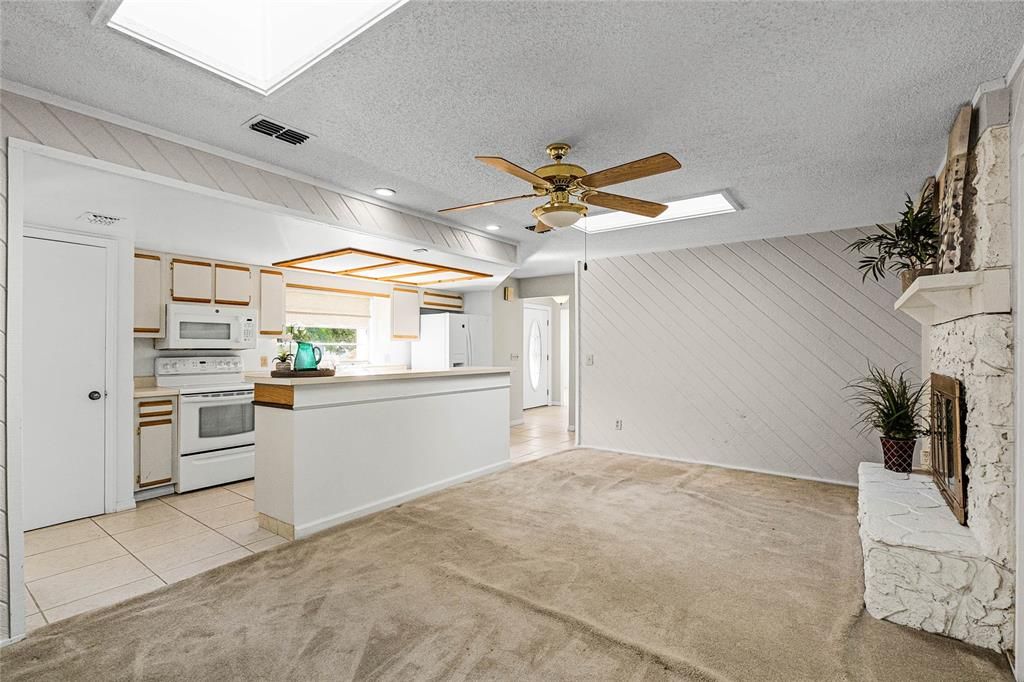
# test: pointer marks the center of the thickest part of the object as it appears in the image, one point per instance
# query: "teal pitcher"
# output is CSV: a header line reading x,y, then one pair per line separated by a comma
x,y
307,356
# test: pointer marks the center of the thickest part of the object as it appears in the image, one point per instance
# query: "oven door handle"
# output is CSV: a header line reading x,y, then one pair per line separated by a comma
x,y
241,396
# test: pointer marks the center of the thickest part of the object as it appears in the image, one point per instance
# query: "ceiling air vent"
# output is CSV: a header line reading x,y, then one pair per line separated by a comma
x,y
265,126
99,219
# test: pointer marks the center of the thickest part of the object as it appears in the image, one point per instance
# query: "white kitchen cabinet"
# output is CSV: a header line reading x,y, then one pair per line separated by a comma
x,y
191,281
155,433
271,302
405,314
149,291
232,284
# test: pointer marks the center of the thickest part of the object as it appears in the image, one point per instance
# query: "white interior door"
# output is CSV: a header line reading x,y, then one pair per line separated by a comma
x,y
536,355
64,423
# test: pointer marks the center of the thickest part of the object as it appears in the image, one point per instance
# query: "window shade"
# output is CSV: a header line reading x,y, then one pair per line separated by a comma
x,y
326,309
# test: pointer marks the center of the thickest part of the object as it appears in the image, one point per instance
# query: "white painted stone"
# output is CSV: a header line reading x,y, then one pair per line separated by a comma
x,y
925,570
978,351
987,228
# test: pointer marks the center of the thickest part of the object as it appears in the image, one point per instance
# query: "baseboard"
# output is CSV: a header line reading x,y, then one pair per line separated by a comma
x,y
849,484
517,422
307,529
150,493
11,640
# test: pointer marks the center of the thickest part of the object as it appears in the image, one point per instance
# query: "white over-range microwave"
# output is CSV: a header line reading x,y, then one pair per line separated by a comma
x,y
213,327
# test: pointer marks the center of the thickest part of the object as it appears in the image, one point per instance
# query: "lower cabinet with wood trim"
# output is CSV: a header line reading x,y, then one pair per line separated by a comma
x,y
156,435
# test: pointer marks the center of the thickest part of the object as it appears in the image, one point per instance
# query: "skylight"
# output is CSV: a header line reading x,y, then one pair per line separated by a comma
x,y
261,44
683,209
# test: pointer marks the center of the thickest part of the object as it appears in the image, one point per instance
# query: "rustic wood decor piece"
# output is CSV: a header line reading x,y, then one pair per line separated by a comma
x,y
951,194
949,460
380,267
301,373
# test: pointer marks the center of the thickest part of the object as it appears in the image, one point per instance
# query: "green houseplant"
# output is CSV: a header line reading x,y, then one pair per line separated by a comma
x,y
282,361
893,405
909,247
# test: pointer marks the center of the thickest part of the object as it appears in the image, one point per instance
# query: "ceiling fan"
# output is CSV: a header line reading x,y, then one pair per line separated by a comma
x,y
561,182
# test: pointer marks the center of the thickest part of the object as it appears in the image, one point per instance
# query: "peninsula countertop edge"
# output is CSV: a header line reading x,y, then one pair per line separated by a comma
x,y
373,375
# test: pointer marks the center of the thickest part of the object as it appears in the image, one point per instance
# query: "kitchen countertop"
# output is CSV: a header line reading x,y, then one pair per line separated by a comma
x,y
352,376
154,392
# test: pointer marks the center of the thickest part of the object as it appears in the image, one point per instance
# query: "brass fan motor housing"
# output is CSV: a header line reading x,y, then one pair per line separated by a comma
x,y
561,175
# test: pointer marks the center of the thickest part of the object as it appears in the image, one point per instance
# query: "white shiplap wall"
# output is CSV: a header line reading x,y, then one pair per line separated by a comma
x,y
737,354
35,121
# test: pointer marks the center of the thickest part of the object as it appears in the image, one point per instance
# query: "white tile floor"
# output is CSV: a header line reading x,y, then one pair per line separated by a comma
x,y
90,563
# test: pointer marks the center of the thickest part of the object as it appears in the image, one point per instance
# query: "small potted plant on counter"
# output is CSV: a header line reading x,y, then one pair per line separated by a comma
x,y
909,247
892,405
283,360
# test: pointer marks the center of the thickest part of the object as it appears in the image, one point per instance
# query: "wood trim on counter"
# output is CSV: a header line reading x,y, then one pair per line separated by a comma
x,y
269,395
158,422
146,330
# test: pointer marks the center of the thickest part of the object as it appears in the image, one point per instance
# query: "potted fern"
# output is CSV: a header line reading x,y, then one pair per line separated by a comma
x,y
909,247
892,405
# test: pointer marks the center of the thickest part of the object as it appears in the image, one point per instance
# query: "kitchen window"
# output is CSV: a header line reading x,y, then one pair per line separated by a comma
x,y
338,323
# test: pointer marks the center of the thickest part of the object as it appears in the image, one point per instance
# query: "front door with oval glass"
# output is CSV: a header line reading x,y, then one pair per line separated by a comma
x,y
536,355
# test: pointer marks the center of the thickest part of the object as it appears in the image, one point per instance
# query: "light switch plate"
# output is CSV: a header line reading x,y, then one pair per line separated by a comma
x,y
588,360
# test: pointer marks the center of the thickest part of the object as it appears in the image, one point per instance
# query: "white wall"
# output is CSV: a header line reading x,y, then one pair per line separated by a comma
x,y
737,354
507,319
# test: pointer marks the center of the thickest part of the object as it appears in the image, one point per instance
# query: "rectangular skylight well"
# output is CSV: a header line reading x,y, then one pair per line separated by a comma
x,y
261,44
715,203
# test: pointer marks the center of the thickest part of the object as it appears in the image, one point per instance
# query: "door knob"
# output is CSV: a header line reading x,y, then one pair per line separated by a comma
x,y
95,395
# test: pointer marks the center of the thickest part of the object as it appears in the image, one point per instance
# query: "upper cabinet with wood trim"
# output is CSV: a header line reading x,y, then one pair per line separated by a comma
x,y
149,295
271,302
442,300
405,314
191,281
232,284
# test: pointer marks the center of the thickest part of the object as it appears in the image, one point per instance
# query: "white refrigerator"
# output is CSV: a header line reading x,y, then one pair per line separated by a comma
x,y
452,340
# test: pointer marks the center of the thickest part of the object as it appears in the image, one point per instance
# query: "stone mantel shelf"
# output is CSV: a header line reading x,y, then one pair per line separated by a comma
x,y
934,299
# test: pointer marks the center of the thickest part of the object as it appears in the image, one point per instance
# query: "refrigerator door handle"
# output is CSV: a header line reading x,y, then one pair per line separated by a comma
x,y
469,344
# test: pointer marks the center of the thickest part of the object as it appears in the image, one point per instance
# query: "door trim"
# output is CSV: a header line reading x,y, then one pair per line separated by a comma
x,y
110,349
547,365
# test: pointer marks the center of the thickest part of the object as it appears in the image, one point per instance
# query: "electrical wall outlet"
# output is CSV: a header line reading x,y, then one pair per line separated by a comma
x,y
513,356
264,361
618,424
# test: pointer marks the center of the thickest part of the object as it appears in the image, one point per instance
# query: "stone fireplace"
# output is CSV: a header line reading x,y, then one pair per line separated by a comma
x,y
922,568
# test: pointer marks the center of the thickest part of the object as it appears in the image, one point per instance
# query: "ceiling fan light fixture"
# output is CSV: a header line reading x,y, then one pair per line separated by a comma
x,y
559,214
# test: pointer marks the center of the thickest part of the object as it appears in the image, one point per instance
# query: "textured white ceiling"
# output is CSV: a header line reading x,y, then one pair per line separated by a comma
x,y
815,116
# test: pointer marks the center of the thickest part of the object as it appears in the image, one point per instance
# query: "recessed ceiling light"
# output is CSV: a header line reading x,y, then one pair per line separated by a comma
x,y
261,44
493,228
693,207
385,192
420,250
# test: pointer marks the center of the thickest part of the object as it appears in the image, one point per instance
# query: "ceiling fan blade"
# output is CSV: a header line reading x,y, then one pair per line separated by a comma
x,y
542,227
512,169
615,202
486,203
634,170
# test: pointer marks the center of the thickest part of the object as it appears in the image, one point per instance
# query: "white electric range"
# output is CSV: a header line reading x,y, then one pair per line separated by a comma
x,y
216,430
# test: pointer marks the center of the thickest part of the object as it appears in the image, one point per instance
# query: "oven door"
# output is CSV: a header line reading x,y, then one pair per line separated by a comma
x,y
215,421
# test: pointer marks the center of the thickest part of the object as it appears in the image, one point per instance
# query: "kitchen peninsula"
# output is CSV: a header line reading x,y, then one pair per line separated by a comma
x,y
331,449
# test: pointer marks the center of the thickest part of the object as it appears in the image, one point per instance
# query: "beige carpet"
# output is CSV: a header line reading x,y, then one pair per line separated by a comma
x,y
580,566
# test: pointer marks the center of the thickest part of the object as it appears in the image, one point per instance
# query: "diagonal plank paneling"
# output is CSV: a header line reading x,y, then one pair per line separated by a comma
x,y
35,121
737,354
